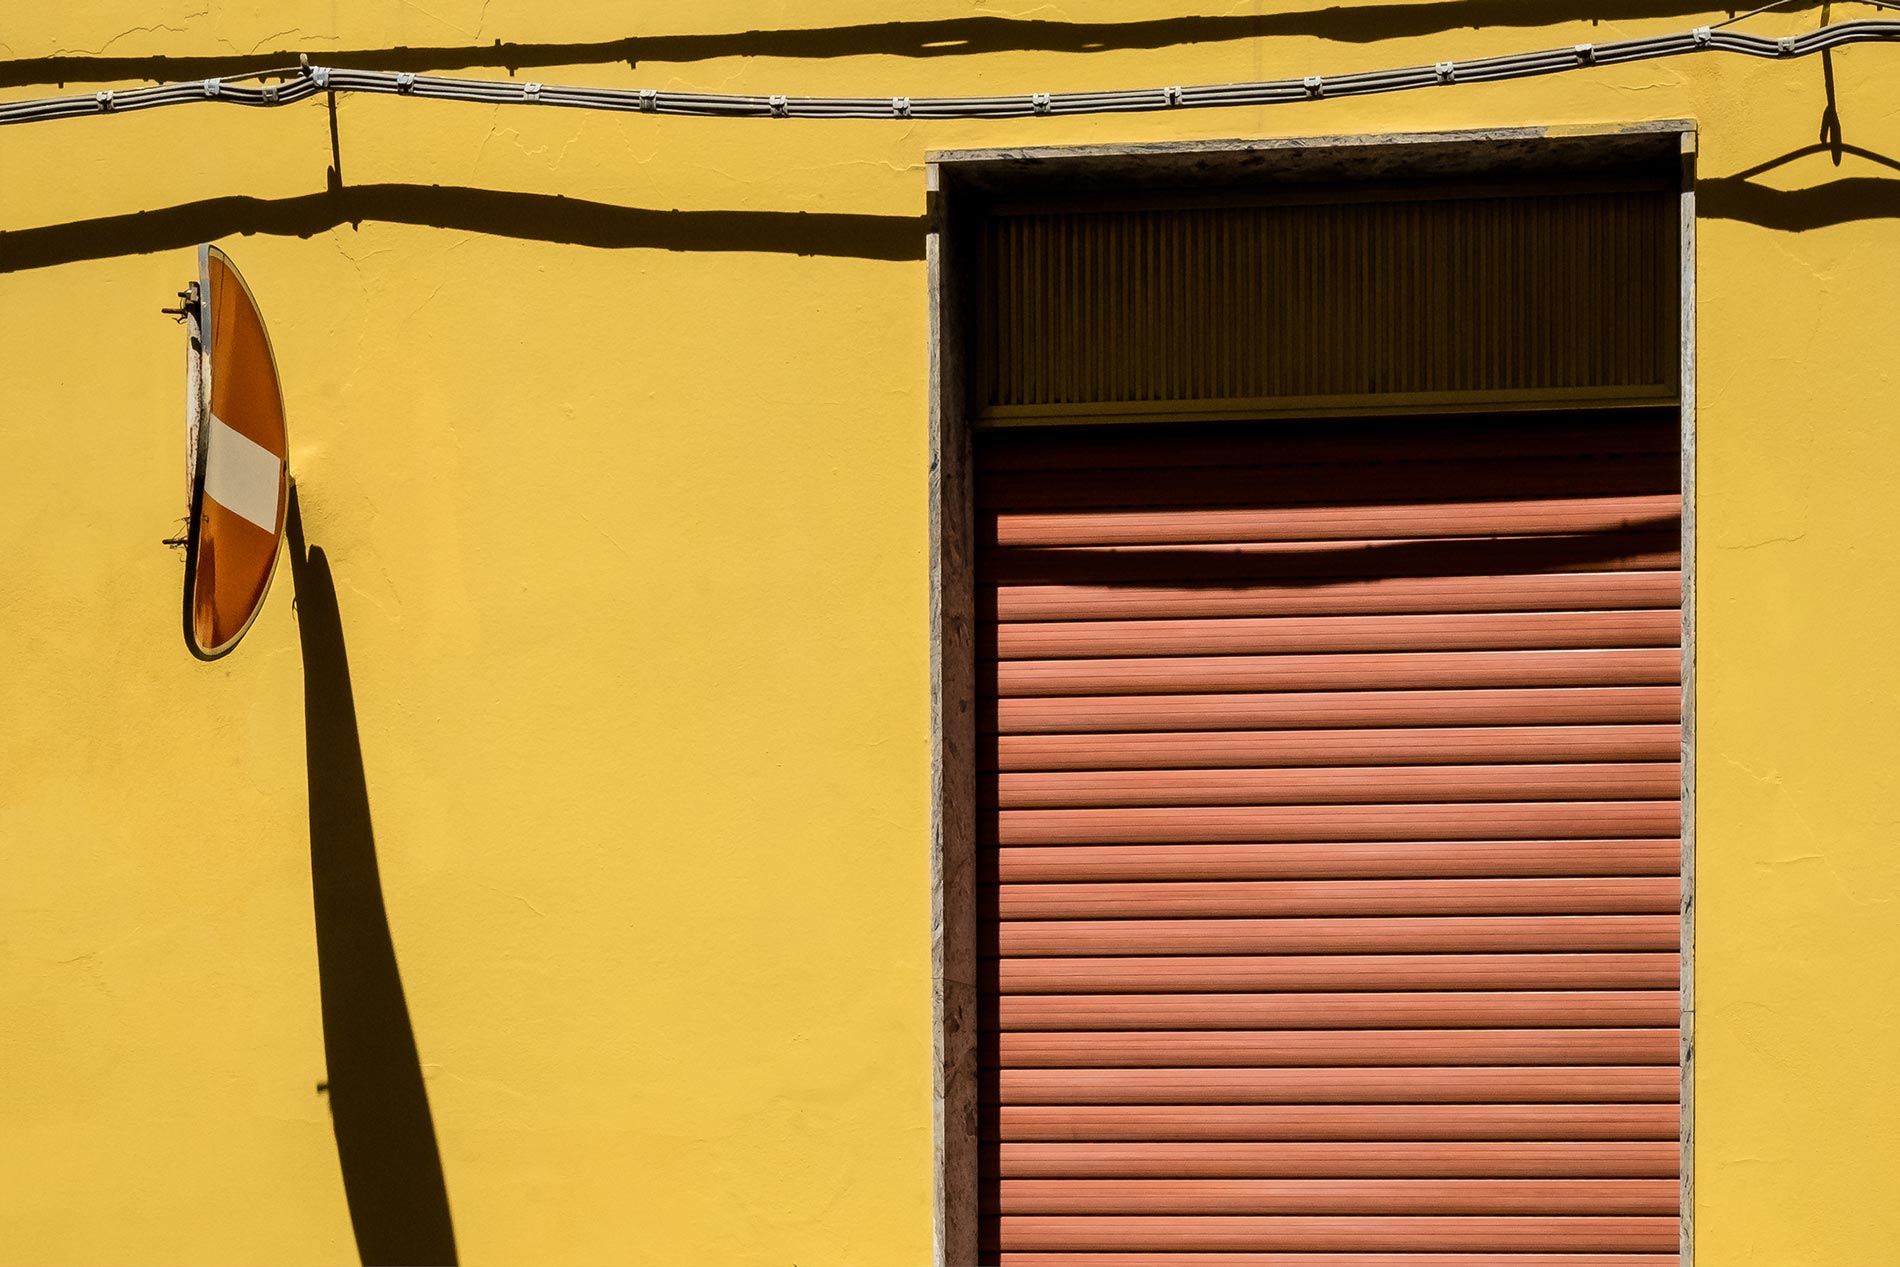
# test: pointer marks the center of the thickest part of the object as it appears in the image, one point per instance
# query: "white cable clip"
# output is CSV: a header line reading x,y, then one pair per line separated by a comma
x,y
900,106
649,100
270,94
1447,73
1786,45
1315,86
1586,54
405,81
1703,36
1039,102
213,87
780,107
320,76
1171,96
531,93
104,99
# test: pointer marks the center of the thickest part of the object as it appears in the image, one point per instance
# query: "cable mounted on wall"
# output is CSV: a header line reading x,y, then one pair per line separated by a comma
x,y
309,80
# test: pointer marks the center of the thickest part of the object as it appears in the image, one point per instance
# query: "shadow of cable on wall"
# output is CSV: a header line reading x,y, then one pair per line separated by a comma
x,y
385,1134
501,213
1843,200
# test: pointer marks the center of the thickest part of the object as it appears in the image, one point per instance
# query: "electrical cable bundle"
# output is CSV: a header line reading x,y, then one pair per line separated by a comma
x,y
307,81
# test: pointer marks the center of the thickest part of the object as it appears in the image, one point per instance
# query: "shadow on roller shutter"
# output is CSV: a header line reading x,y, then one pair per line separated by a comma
x,y
1328,859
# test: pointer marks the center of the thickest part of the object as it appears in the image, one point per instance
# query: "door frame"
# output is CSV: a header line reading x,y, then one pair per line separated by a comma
x,y
955,179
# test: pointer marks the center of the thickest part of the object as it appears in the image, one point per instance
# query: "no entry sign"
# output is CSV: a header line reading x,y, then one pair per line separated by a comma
x,y
237,466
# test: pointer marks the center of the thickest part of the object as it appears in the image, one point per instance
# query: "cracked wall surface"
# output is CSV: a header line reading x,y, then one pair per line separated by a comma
x,y
630,541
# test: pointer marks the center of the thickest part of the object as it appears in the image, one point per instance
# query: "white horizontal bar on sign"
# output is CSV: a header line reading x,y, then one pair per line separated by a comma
x,y
242,475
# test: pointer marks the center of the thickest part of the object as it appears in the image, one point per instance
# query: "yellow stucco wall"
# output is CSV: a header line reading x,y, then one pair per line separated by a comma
x,y
631,553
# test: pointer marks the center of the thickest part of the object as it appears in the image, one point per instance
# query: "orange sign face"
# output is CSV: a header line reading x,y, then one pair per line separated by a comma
x,y
237,462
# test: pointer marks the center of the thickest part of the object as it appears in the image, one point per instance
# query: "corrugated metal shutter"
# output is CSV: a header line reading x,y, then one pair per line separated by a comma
x,y
1329,848
1369,299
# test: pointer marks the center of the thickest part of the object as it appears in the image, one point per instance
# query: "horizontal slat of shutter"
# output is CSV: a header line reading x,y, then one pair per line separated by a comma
x,y
1243,1122
1654,517
1217,899
1400,1010
1315,1160
1396,860
1398,670
1301,564
1504,820
1329,844
1358,1234
1271,1259
1314,710
1422,745
1339,1196
1295,936
1266,1049
1560,591
1386,484
1125,974
1337,786
1306,634
1458,1085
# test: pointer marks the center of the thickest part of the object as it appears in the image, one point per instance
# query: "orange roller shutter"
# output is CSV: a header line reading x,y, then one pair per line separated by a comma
x,y
1329,864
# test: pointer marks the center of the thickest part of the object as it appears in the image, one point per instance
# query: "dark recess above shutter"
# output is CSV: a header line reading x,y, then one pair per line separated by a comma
x,y
1320,299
